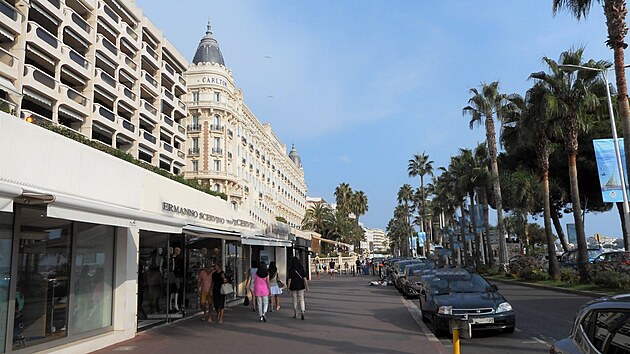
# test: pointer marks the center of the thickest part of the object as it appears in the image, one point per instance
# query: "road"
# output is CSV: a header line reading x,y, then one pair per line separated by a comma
x,y
542,316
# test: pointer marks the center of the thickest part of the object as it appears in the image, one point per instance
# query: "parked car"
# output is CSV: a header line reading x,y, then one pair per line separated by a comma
x,y
398,271
601,326
569,258
411,284
619,260
452,292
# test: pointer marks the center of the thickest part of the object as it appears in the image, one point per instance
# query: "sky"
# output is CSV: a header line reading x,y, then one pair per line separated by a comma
x,y
360,86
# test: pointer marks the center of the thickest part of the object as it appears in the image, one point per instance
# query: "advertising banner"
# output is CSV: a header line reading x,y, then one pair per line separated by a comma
x,y
607,170
571,233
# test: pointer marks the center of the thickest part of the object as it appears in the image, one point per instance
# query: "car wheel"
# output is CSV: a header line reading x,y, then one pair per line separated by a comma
x,y
509,329
436,328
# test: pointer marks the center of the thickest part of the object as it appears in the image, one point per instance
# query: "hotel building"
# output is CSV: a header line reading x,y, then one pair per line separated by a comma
x,y
231,151
92,247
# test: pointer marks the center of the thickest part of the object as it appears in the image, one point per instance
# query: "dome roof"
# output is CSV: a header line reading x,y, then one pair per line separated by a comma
x,y
295,157
208,50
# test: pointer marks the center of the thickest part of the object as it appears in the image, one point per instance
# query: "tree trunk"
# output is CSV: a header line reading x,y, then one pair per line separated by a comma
x,y
624,227
486,225
559,230
554,268
582,255
462,234
496,186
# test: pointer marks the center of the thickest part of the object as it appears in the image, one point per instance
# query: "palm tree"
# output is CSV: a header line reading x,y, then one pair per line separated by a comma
x,y
359,204
483,186
420,165
405,207
482,108
535,128
615,12
343,196
317,218
570,98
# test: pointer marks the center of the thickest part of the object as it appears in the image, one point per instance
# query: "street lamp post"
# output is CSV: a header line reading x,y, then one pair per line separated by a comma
x,y
613,127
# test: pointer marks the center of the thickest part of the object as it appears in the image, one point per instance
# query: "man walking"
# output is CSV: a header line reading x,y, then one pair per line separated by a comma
x,y
204,287
332,269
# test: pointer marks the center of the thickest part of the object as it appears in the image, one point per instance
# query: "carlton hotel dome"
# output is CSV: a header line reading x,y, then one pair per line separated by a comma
x,y
208,50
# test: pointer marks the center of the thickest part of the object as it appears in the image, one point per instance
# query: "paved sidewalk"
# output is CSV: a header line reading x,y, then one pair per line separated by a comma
x,y
344,315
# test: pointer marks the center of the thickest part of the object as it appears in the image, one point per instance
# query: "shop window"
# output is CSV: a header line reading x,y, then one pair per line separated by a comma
x,y
92,277
6,237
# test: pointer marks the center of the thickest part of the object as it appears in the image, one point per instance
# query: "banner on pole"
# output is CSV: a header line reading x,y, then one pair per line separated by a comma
x,y
607,169
571,233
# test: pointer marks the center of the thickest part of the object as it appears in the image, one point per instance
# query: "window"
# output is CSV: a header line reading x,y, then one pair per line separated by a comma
x,y
217,143
195,120
195,96
599,326
217,187
217,96
6,240
217,120
195,143
217,165
195,165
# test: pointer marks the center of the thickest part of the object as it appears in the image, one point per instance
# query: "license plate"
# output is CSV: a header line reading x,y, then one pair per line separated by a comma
x,y
482,320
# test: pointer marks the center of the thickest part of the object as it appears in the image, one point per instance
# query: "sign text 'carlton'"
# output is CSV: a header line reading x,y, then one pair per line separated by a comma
x,y
166,206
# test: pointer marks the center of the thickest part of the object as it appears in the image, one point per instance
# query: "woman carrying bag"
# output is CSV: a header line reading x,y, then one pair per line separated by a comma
x,y
276,287
262,290
298,284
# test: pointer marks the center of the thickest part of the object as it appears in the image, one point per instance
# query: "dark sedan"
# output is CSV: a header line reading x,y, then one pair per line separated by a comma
x,y
412,283
399,268
456,292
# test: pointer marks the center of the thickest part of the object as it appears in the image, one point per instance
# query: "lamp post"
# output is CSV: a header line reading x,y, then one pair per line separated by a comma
x,y
613,127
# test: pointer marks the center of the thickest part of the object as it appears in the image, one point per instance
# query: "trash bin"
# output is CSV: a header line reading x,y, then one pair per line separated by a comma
x,y
366,270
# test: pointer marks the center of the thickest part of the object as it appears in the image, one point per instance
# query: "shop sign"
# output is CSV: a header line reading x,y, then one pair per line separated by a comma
x,y
192,213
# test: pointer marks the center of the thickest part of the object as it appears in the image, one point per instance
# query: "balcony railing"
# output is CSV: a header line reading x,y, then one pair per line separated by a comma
x,y
167,120
80,22
149,137
109,45
106,113
7,58
180,129
129,94
128,125
150,108
150,50
8,10
76,96
194,127
109,12
168,94
150,79
181,80
78,58
43,78
216,150
180,154
55,3
193,151
46,36
169,69
216,127
108,79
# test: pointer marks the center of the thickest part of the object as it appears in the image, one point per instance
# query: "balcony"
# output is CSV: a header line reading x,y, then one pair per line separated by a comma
x,y
107,48
194,128
147,137
10,18
40,81
167,120
217,151
73,99
193,152
53,7
127,96
78,24
180,83
128,64
43,39
179,108
77,62
217,127
131,35
149,82
108,15
181,155
148,111
167,97
128,128
8,64
105,81
150,54
104,115
167,147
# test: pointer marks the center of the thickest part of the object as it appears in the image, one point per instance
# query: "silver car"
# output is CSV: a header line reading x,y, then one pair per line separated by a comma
x,y
601,327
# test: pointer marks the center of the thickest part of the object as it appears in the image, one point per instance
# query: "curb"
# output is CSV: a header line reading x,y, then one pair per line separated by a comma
x,y
587,293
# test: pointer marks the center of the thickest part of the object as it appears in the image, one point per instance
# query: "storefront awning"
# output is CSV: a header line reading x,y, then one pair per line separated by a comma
x,y
7,194
256,240
202,231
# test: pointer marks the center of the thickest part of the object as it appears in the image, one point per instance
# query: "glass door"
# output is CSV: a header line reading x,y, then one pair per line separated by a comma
x,y
152,279
233,265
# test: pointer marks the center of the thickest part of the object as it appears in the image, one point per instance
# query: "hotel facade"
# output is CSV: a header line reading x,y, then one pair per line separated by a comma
x,y
94,248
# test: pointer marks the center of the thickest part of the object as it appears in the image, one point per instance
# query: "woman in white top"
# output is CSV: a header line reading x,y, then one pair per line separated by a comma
x,y
276,289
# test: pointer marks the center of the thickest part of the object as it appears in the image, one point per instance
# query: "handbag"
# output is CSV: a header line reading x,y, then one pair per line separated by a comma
x,y
246,301
280,283
226,288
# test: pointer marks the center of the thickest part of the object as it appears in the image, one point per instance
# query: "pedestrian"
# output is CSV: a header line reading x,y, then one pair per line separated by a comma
x,y
276,286
318,268
297,284
346,266
204,290
218,278
332,270
262,290
249,283
358,263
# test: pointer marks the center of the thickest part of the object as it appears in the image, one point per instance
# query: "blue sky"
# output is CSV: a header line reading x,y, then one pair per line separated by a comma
x,y
361,86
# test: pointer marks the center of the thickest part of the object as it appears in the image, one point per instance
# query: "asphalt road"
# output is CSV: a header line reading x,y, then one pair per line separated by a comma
x,y
542,316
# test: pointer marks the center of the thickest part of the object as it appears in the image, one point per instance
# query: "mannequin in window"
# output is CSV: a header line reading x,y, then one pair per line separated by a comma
x,y
175,270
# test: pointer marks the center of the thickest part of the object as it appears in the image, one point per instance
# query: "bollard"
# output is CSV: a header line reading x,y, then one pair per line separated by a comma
x,y
456,340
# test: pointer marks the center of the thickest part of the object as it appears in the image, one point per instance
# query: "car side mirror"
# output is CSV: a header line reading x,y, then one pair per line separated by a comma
x,y
495,287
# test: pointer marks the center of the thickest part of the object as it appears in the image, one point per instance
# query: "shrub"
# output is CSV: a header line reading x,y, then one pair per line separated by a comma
x,y
569,275
534,274
611,279
523,265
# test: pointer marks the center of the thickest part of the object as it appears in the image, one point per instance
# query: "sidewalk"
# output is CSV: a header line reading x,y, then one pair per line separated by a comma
x,y
344,315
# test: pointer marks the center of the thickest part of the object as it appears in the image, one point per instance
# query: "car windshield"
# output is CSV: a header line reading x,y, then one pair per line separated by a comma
x,y
449,285
593,253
